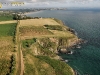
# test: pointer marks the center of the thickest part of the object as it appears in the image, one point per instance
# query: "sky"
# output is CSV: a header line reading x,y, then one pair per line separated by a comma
x,y
52,3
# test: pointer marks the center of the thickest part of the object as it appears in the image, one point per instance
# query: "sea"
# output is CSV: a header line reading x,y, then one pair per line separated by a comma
x,y
84,60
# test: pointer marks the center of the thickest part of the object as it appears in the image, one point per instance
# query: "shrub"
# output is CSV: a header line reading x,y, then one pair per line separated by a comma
x,y
13,65
28,42
54,27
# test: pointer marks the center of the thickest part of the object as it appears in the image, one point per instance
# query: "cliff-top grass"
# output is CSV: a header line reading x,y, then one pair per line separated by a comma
x,y
38,22
46,27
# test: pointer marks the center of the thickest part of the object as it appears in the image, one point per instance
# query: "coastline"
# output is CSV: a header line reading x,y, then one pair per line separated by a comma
x,y
70,30
26,13
82,37
80,41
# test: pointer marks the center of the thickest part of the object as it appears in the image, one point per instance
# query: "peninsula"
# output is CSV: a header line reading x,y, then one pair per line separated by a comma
x,y
31,46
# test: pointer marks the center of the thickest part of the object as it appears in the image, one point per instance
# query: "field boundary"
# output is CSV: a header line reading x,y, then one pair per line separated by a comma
x,y
20,64
7,22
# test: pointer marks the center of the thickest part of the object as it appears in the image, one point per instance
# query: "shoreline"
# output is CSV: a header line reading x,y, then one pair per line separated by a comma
x,y
80,41
26,13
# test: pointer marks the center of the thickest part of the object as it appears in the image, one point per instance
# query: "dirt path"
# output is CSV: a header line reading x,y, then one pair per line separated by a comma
x,y
20,63
7,22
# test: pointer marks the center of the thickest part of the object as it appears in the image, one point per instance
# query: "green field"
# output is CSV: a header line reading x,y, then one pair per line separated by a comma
x,y
6,17
7,29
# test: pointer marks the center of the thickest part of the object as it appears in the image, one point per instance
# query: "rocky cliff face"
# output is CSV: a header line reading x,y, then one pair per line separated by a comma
x,y
54,45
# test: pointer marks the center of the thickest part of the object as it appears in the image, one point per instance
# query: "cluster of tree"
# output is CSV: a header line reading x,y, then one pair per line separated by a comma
x,y
20,17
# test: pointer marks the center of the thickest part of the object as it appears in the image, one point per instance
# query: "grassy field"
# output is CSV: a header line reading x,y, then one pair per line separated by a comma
x,y
38,67
6,50
7,29
34,31
38,22
28,32
43,33
60,68
39,28
7,32
5,17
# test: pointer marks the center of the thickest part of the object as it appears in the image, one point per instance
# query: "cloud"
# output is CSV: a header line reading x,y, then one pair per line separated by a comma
x,y
58,3
42,1
39,0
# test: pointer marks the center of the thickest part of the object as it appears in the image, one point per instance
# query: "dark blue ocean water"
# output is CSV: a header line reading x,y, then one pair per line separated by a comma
x,y
85,60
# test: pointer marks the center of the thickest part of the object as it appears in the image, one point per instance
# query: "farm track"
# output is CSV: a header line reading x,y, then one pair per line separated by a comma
x,y
20,64
7,22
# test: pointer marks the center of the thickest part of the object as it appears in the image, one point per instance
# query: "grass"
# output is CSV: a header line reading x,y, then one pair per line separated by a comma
x,y
38,67
61,68
28,42
31,28
38,22
54,27
33,31
58,21
6,48
7,29
7,33
44,65
5,17
66,34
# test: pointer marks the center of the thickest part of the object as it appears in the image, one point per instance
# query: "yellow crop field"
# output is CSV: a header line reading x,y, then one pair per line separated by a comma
x,y
38,22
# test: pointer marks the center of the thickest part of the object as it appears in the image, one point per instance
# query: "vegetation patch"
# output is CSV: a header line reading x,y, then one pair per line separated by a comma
x,y
46,52
54,27
33,31
35,66
6,17
58,21
6,48
38,22
28,42
61,68
7,29
13,65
